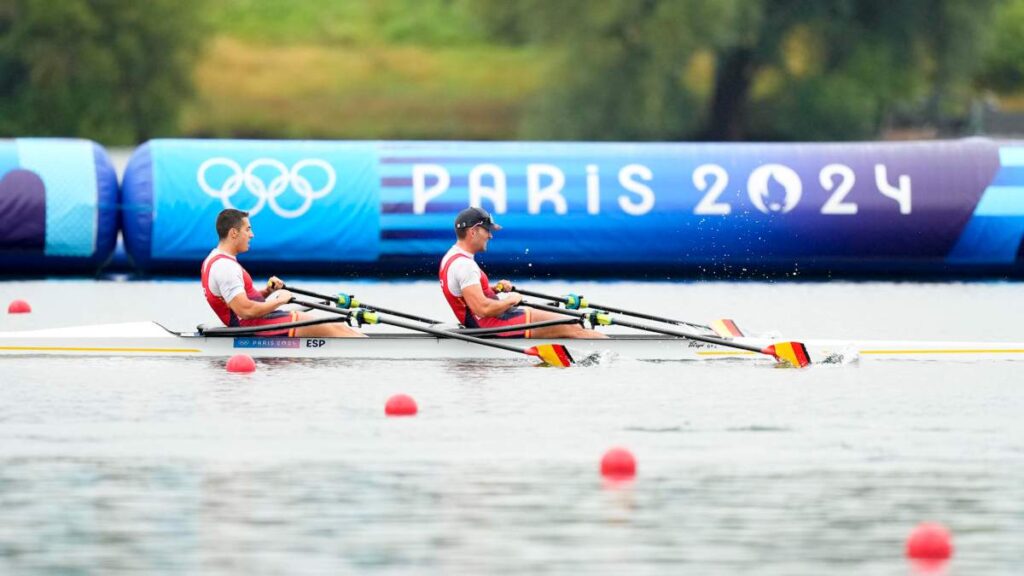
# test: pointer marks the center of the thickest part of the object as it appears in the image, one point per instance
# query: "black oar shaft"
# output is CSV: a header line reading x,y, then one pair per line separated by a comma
x,y
612,309
656,329
364,305
426,329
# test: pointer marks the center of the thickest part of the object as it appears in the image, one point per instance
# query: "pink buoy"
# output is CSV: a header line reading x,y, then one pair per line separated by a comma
x,y
618,464
19,307
241,363
930,541
400,405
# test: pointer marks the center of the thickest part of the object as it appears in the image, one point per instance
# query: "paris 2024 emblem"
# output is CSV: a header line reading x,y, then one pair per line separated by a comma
x,y
774,188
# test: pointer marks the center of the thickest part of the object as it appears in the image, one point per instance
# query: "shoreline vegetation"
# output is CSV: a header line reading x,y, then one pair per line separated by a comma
x,y
122,72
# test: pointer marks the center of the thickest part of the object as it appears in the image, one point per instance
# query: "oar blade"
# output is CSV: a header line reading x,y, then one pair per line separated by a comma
x,y
726,328
793,353
552,354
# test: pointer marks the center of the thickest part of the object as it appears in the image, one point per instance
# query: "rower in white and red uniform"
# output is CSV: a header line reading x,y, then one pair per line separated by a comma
x,y
229,291
471,296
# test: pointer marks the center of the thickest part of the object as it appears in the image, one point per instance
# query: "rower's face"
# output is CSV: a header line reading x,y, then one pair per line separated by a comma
x,y
481,237
242,235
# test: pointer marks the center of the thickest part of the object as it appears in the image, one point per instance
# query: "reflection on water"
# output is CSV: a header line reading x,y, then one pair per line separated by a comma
x,y
115,516
174,466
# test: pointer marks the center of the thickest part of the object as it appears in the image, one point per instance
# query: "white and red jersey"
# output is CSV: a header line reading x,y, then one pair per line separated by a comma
x,y
458,270
223,279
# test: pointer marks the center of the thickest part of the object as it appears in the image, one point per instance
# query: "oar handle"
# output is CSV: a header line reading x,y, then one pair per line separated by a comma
x,y
572,301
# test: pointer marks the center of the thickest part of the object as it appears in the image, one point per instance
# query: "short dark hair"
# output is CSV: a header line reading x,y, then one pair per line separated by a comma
x,y
460,233
229,219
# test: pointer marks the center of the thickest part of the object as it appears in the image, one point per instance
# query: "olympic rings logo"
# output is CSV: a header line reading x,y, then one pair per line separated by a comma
x,y
268,193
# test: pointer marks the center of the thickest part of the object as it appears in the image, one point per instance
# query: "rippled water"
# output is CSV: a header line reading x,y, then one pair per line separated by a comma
x,y
113,465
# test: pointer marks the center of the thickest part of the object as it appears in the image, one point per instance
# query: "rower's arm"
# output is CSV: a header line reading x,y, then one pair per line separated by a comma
x,y
483,306
248,309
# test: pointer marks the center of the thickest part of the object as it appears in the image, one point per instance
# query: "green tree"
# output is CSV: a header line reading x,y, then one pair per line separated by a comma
x,y
869,59
111,70
1003,60
814,70
622,65
781,69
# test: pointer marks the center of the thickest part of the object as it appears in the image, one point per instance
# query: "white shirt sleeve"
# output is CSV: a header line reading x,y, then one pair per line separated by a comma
x,y
461,273
225,279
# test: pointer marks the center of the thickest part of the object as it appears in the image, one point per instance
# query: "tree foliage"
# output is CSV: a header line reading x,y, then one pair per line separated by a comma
x,y
1003,64
120,70
112,70
780,69
622,70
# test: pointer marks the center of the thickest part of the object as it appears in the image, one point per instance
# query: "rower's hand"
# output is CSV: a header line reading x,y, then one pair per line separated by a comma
x,y
515,298
274,283
284,296
503,286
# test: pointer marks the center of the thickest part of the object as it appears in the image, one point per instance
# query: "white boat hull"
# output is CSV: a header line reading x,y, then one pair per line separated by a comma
x,y
151,339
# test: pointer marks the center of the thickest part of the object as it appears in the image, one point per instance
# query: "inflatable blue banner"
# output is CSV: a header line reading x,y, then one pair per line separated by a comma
x,y
58,206
324,207
309,202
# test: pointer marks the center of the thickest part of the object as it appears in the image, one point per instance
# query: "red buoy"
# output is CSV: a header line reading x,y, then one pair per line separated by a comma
x,y
929,541
618,464
19,307
400,405
241,363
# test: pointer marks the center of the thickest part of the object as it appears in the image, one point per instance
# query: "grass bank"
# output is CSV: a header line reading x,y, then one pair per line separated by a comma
x,y
390,69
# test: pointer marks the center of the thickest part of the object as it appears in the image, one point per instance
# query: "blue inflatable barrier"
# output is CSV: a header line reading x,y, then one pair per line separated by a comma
x,y
312,204
58,206
944,207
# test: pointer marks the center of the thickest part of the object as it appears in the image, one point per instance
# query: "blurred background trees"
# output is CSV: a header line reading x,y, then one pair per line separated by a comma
x,y
112,70
122,71
750,69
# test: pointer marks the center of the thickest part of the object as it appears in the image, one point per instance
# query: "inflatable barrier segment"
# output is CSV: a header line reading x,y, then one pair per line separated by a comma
x,y
609,209
311,203
58,206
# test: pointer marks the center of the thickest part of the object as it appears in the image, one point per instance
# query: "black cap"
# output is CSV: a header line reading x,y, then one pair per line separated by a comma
x,y
475,216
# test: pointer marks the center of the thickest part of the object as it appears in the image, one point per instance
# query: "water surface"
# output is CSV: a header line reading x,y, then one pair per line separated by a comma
x,y
173,466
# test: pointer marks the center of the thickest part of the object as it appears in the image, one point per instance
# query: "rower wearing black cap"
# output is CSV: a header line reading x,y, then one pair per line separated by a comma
x,y
469,293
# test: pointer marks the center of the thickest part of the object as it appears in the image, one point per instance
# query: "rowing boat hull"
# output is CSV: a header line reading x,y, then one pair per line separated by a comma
x,y
151,339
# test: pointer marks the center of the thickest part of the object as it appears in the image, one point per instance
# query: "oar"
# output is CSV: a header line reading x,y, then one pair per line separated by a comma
x,y
552,354
793,353
576,302
349,301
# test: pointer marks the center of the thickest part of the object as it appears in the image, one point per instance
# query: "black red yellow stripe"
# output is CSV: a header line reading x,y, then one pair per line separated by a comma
x,y
793,353
552,354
